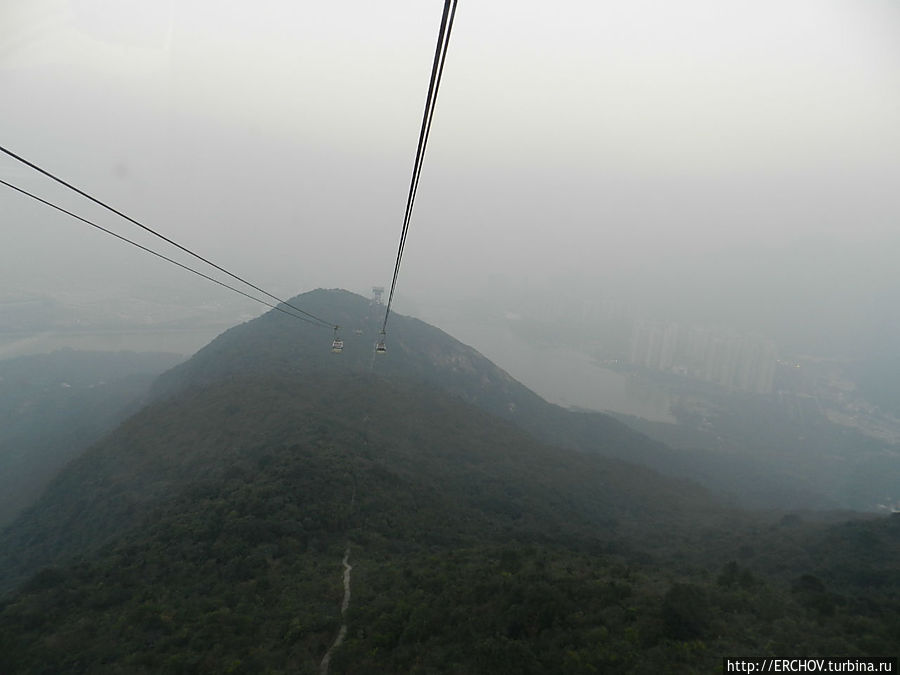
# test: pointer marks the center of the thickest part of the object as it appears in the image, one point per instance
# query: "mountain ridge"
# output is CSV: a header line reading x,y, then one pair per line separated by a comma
x,y
276,343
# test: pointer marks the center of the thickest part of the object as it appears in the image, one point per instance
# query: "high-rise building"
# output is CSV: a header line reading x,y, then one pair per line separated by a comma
x,y
726,357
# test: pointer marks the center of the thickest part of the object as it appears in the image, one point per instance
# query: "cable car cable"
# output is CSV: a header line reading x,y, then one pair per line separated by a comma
x,y
158,255
430,100
437,70
420,160
161,236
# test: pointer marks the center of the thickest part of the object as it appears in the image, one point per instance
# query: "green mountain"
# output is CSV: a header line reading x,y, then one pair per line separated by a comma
x,y
53,406
207,532
172,443
278,344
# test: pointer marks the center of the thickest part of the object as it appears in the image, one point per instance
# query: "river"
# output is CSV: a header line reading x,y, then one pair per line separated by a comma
x,y
561,375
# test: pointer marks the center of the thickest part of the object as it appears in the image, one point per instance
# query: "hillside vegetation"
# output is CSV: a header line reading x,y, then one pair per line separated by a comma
x,y
206,535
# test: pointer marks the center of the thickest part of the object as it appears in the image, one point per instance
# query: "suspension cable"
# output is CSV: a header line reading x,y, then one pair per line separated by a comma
x,y
158,255
437,70
160,236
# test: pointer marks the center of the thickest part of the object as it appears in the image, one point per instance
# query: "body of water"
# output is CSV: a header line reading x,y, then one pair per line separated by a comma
x,y
183,341
562,376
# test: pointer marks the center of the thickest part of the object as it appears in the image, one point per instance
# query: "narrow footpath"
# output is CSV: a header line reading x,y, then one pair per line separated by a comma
x,y
342,633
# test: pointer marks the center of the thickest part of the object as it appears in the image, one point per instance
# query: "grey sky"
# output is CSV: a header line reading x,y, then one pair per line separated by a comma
x,y
628,146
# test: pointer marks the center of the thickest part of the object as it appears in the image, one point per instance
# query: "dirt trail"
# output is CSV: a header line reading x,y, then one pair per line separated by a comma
x,y
342,633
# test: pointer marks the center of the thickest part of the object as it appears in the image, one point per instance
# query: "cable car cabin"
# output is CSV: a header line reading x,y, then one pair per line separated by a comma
x,y
379,347
337,345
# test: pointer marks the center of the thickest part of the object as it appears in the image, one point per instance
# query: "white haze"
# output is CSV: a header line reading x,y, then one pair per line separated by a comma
x,y
718,162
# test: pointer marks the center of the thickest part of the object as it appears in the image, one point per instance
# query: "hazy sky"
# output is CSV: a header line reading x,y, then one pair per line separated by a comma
x,y
642,149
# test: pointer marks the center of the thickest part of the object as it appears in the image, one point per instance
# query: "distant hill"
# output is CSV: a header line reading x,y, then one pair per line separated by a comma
x,y
52,406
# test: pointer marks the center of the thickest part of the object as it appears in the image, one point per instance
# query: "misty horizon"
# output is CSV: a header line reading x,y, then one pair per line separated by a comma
x,y
737,171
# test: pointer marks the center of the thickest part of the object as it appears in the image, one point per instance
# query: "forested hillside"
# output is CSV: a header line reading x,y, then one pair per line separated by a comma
x,y
207,532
